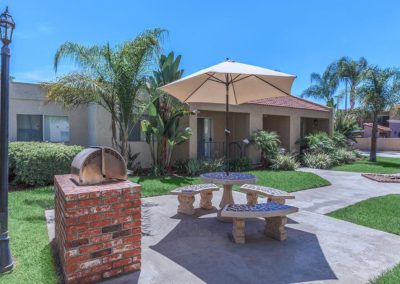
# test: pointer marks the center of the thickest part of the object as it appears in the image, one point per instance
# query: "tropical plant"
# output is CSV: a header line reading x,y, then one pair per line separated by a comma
x,y
343,156
351,71
115,78
346,123
285,162
323,87
318,142
162,129
379,90
195,167
267,142
240,165
317,160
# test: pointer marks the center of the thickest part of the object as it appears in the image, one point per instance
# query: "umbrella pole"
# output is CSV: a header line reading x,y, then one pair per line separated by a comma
x,y
226,128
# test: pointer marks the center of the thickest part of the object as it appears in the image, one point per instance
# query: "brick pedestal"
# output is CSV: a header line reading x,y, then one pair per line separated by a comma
x,y
97,229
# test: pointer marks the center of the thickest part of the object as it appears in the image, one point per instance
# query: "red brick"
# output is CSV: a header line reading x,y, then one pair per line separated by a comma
x,y
112,214
122,262
103,208
85,195
89,202
100,224
90,233
76,212
134,252
112,192
113,243
100,239
123,205
77,228
77,259
123,219
132,267
71,221
94,194
91,217
132,239
111,273
112,199
90,264
111,258
71,205
132,225
126,247
102,267
90,248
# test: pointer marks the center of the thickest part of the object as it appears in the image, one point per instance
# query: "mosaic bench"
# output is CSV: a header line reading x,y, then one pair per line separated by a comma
x,y
274,195
186,197
273,213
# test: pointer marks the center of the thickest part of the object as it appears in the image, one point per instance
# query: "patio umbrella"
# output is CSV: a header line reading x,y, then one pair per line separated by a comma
x,y
230,83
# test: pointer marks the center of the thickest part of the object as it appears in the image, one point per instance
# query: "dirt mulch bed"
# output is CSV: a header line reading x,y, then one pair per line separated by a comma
x,y
383,178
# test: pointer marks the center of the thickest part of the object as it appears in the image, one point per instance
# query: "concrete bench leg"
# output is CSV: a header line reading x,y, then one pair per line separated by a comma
x,y
206,199
238,230
277,200
252,198
275,227
186,204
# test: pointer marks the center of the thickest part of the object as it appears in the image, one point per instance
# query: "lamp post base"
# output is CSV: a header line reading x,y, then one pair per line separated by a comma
x,y
6,261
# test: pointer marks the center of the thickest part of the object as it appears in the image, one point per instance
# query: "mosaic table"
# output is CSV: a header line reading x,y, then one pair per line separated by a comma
x,y
227,181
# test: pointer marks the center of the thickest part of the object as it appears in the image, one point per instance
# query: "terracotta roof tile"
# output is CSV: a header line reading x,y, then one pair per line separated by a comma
x,y
380,127
291,102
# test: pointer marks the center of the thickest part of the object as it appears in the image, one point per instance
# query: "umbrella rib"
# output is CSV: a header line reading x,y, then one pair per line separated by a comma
x,y
233,88
201,85
215,78
279,89
241,78
233,80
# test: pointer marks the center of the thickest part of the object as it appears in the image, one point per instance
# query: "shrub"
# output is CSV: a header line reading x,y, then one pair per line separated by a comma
x,y
267,142
195,167
319,143
35,163
343,156
240,165
317,160
346,124
285,162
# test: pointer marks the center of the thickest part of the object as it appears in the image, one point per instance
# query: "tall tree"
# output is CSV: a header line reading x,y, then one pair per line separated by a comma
x,y
379,90
162,128
323,87
350,71
115,78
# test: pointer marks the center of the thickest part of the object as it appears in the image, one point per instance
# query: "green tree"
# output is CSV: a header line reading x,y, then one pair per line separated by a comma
x,y
351,71
115,78
162,129
379,90
268,143
323,87
346,123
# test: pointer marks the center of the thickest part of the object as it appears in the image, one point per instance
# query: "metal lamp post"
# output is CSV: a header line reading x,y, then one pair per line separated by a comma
x,y
7,27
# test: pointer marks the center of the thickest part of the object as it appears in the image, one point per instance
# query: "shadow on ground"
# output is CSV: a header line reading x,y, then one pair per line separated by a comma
x,y
203,246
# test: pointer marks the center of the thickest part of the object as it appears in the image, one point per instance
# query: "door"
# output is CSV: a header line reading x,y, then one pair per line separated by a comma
x,y
204,138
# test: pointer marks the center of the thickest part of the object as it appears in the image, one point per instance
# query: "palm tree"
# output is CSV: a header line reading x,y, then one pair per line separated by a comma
x,y
162,128
323,87
350,71
115,78
379,90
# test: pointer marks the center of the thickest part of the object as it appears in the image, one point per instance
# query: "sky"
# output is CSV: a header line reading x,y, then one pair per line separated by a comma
x,y
296,37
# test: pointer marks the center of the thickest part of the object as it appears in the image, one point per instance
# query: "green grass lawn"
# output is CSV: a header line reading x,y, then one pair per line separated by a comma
x,y
383,165
28,233
28,237
285,180
381,213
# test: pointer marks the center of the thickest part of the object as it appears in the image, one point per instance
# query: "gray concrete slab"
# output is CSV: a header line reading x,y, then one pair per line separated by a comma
x,y
346,189
319,249
389,154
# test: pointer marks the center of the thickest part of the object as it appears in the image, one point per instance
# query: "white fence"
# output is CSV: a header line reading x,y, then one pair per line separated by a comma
x,y
383,144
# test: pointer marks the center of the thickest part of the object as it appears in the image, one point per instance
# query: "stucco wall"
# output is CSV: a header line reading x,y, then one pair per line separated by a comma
x,y
281,125
28,98
383,144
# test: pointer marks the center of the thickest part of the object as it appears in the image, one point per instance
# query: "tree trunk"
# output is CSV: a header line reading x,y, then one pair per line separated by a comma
x,y
372,154
352,97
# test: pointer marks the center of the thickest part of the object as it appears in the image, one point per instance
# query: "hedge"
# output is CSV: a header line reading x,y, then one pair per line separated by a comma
x,y
35,163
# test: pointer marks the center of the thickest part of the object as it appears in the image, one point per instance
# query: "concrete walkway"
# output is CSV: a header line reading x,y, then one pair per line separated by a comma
x,y
319,249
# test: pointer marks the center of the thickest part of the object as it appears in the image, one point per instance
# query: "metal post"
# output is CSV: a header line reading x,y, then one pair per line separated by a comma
x,y
6,262
227,127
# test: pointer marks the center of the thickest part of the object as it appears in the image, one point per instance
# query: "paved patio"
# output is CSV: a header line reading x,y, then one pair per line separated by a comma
x,y
319,249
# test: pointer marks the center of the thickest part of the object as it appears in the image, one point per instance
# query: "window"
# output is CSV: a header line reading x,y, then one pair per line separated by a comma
x,y
29,127
56,128
42,128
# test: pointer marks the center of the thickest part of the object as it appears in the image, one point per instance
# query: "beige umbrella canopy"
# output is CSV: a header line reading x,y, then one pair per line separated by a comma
x,y
232,83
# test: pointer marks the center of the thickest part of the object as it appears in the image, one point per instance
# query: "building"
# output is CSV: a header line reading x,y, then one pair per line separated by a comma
x,y
31,119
